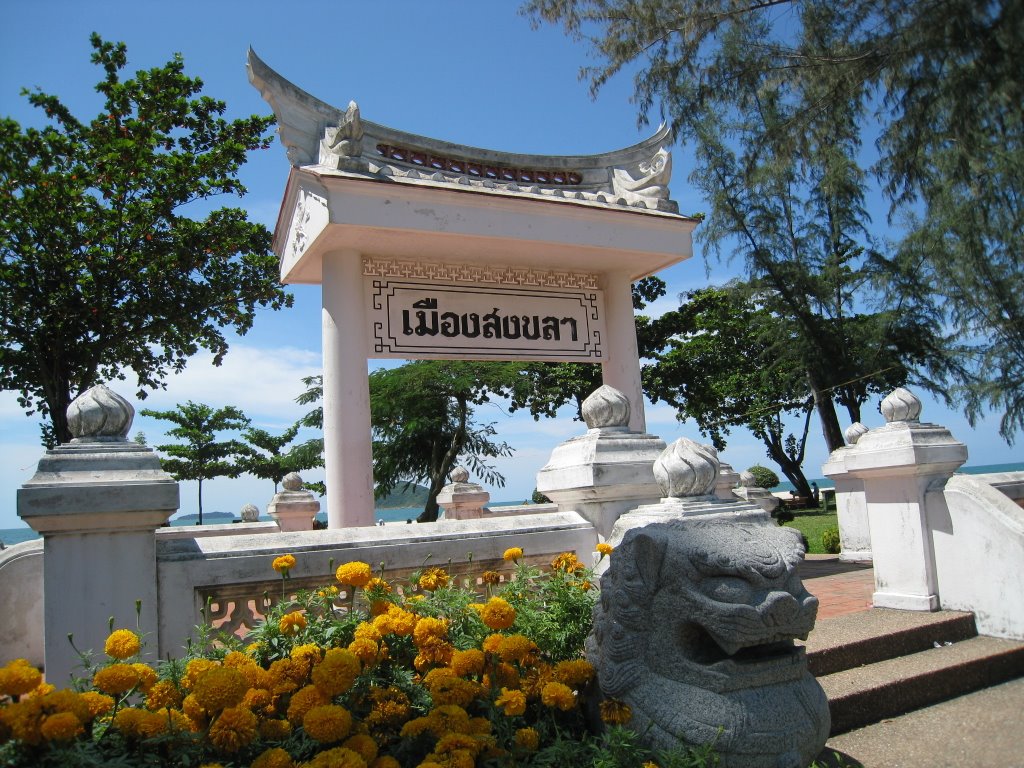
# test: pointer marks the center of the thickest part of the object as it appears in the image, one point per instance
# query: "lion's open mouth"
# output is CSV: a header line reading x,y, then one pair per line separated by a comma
x,y
703,649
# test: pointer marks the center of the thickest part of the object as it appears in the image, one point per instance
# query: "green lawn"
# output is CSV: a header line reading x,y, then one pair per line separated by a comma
x,y
812,522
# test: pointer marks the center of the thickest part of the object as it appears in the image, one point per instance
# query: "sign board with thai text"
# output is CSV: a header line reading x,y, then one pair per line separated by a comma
x,y
444,320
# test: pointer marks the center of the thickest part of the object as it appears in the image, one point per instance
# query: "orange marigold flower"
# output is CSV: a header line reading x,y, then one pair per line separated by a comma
x,y
498,614
235,728
492,643
433,579
527,739
429,629
397,621
98,703
605,549
139,723
220,688
512,702
304,700
502,675
467,663
354,574
516,648
18,678
338,757
275,730
337,672
456,742
164,694
363,745
568,562
447,688
365,650
575,673
327,723
310,652
147,676
275,757
490,577
512,554
193,711
557,695
122,644
61,726
385,761
615,712
292,623
449,718
378,585
284,563
116,679
194,669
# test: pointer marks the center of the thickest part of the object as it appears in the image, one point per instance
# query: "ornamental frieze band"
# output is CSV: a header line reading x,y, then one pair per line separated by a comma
x,y
474,273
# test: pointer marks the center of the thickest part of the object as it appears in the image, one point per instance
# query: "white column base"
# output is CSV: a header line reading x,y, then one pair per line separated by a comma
x,y
905,602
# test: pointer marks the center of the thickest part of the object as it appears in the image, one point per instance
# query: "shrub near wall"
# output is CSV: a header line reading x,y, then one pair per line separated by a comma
x,y
361,674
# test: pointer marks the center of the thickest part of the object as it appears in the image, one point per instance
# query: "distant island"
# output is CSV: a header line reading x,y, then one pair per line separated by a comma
x,y
405,495
207,516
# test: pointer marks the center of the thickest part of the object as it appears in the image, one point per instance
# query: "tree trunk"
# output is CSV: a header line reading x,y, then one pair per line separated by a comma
x,y
200,501
826,409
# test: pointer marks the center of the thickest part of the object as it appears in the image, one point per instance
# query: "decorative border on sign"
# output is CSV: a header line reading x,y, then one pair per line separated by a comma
x,y
471,273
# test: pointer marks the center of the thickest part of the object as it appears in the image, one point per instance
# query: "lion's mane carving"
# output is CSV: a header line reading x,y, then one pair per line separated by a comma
x,y
695,632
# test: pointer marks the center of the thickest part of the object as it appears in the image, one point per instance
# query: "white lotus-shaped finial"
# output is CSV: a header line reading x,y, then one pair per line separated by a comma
x,y
100,413
686,468
292,482
901,405
854,432
606,407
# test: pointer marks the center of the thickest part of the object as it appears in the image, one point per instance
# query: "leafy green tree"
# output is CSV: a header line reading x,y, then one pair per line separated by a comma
x,y
201,456
107,259
263,456
933,80
718,369
423,421
763,477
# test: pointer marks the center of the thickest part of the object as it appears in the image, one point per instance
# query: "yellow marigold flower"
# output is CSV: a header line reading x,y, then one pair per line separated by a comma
x,y
284,563
147,676
415,727
164,694
490,577
492,643
511,702
378,585
337,672
66,700
512,554
605,549
304,700
615,712
397,621
292,623
21,721
339,757
98,703
390,707
193,711
18,678
194,669
354,574
429,629
649,764
385,761
457,742
568,562
122,644
220,688
258,700
365,650
498,614
459,758
467,663
363,745
433,579
308,651
287,675
139,723
527,739
557,695
275,757
367,631
575,673
275,730
516,648
116,679
502,675
61,726
327,723
447,688
234,729
238,660
449,718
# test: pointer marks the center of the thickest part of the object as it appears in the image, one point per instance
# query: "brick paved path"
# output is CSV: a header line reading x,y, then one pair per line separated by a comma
x,y
840,587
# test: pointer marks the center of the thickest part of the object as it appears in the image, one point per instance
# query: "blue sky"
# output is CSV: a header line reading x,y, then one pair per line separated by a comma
x,y
467,72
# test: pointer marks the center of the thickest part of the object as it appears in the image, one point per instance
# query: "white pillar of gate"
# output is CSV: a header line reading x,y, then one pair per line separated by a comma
x,y
622,368
347,442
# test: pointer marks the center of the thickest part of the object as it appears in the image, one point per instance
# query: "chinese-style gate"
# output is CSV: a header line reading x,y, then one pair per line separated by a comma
x,y
427,249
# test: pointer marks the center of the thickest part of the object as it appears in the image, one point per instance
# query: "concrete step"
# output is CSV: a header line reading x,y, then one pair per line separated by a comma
x,y
863,695
867,637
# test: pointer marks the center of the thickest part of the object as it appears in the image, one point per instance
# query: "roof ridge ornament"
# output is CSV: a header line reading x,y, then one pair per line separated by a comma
x,y
342,146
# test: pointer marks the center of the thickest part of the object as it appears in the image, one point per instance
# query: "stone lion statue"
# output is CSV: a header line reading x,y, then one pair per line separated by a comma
x,y
695,630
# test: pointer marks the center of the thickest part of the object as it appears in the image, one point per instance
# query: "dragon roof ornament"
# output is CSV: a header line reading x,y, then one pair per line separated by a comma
x,y
338,141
